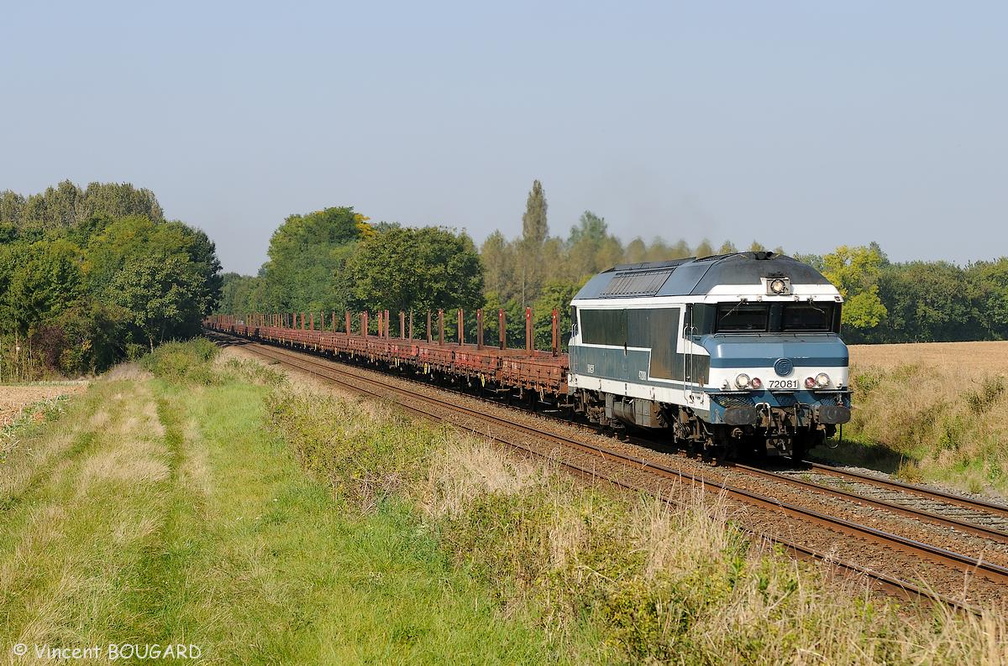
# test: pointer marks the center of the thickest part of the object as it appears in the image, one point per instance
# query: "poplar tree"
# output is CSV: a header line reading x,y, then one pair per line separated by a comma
x,y
534,232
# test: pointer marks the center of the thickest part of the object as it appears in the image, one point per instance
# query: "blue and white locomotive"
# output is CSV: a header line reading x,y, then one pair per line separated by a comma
x,y
730,353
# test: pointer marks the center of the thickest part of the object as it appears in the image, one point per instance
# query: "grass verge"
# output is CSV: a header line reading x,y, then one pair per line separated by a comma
x,y
613,579
160,511
937,424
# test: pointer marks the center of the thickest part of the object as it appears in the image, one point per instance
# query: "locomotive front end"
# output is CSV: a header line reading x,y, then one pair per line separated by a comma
x,y
778,369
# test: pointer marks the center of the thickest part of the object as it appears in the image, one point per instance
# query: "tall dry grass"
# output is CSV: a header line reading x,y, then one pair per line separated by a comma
x,y
933,412
611,578
665,582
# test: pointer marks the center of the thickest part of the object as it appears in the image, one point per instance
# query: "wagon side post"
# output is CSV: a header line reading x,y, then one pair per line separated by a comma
x,y
501,328
528,329
440,326
429,336
402,324
460,316
479,329
556,340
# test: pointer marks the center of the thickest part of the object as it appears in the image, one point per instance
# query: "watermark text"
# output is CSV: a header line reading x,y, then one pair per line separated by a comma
x,y
110,652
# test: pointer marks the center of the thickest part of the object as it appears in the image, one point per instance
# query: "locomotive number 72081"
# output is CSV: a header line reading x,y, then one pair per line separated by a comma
x,y
782,384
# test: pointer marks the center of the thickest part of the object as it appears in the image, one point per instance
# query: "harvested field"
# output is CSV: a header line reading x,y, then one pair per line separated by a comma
x,y
14,398
974,357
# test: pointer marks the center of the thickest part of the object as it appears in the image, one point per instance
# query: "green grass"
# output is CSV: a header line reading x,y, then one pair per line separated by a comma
x,y
165,513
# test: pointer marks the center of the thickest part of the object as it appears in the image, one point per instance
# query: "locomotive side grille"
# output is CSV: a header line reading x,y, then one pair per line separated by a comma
x,y
636,284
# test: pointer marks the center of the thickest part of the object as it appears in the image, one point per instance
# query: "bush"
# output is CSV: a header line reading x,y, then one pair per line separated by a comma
x,y
183,362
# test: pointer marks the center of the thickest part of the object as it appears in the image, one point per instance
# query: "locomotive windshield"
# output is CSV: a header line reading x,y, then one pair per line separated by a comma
x,y
806,317
742,317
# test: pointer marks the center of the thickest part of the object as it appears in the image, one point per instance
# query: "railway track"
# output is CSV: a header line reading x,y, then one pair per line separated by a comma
x,y
956,507
644,474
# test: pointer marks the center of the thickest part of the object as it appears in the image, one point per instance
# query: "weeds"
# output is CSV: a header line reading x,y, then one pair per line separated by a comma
x,y
952,424
32,418
991,389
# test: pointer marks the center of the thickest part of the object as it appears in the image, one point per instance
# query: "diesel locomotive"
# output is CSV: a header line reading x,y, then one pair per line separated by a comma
x,y
731,353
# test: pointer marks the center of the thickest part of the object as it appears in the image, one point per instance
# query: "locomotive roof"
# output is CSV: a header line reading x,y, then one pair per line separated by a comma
x,y
684,277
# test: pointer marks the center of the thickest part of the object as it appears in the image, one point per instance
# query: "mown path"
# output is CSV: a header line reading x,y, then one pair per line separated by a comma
x,y
156,514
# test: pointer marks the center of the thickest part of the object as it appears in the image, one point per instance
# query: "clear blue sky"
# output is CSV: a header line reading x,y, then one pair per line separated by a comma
x,y
804,124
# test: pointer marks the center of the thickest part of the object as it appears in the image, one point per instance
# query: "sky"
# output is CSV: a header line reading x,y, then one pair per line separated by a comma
x,y
800,124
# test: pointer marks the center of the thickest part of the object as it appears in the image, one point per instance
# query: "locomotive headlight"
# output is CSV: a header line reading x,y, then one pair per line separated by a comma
x,y
822,380
778,287
742,380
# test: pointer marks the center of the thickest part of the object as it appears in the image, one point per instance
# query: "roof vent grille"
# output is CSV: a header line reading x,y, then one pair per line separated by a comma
x,y
635,284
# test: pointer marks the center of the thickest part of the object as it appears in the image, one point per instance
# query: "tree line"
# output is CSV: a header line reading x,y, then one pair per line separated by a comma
x,y
336,260
916,301
91,276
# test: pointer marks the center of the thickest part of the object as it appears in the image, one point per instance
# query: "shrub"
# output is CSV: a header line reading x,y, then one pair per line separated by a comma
x,y
183,362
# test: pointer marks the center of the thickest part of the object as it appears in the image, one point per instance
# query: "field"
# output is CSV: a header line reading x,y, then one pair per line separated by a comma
x,y
14,399
931,412
974,358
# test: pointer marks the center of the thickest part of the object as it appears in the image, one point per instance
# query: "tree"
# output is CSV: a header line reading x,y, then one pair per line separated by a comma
x,y
727,247
123,272
161,293
40,280
306,253
11,208
990,283
855,272
534,225
498,258
814,260
128,239
584,243
556,295
929,302
85,274
421,269
636,251
534,232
